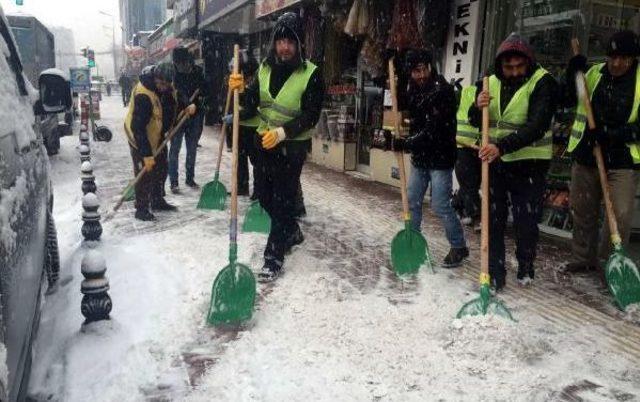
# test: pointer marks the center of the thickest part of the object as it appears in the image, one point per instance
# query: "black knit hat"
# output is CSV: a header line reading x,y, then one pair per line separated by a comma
x,y
623,43
181,54
414,57
288,26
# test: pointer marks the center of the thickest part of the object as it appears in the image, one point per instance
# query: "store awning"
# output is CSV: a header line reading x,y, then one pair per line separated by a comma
x,y
267,7
231,16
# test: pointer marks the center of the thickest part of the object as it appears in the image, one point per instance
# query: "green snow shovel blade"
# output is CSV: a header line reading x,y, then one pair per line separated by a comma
x,y
256,219
623,278
129,194
409,251
233,295
485,304
213,196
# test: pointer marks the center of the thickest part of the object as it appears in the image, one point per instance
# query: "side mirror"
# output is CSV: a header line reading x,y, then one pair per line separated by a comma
x,y
55,92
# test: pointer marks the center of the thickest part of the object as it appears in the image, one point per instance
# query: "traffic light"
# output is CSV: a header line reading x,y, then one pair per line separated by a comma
x,y
92,58
84,52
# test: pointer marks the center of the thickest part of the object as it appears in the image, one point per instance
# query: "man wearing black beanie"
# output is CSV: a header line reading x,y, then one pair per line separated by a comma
x,y
287,96
614,88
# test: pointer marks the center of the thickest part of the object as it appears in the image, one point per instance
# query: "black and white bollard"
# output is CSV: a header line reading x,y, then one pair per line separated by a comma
x,y
96,303
88,179
85,153
84,138
91,228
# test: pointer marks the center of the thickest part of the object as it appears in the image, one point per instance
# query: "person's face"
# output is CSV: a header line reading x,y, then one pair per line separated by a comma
x,y
514,68
286,49
162,85
619,65
183,67
421,74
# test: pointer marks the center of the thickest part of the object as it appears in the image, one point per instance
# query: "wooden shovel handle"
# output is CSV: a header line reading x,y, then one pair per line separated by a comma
x,y
597,152
399,155
236,131
484,235
223,130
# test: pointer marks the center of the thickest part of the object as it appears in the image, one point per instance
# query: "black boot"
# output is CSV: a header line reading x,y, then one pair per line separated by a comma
x,y
497,283
144,215
162,205
296,238
455,257
271,270
525,274
192,184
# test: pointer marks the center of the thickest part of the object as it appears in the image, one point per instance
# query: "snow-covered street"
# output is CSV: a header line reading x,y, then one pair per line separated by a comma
x,y
338,326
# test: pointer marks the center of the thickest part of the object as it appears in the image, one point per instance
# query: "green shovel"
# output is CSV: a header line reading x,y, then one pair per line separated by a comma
x,y
234,290
485,303
256,219
214,193
409,249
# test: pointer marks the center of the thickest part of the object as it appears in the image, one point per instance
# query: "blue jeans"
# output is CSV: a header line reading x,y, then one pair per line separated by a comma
x,y
191,132
441,187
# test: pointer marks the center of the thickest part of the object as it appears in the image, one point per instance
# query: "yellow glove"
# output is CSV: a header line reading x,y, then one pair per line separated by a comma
x,y
272,138
236,81
191,110
149,163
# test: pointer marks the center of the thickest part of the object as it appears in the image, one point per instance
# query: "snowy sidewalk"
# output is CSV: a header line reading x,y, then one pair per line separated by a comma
x,y
337,326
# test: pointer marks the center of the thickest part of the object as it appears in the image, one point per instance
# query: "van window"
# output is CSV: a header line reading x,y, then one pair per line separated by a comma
x,y
13,59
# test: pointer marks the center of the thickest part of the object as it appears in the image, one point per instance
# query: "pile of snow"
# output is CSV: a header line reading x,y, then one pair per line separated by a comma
x,y
4,370
11,202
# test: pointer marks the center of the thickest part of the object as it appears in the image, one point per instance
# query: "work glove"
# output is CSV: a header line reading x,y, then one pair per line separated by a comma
x,y
272,138
191,110
577,63
149,163
236,81
228,119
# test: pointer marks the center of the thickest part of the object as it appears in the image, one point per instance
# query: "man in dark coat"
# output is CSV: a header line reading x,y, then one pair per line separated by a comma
x,y
126,85
188,79
615,99
287,95
151,114
521,104
432,107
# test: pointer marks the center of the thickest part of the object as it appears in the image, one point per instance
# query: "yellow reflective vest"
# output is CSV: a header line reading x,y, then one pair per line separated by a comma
x,y
466,134
286,106
514,117
593,77
154,127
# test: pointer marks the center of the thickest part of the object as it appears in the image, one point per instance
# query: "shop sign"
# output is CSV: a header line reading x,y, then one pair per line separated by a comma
x,y
462,42
210,10
266,7
185,15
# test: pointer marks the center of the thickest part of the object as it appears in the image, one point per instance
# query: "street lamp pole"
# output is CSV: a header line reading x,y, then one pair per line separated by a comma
x,y
113,43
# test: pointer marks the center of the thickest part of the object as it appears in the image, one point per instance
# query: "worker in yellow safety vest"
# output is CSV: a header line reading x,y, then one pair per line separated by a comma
x,y
287,96
467,166
521,101
614,88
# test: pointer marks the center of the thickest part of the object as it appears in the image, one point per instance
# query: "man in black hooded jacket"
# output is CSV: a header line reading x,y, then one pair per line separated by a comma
x,y
521,104
287,95
431,103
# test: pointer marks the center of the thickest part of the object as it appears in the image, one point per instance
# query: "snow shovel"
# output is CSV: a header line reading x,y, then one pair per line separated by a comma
x,y
256,219
485,303
234,290
409,248
214,193
623,277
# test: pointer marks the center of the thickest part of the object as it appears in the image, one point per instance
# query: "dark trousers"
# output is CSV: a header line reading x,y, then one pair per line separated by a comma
x,y
247,149
126,94
190,132
469,176
278,191
150,188
523,185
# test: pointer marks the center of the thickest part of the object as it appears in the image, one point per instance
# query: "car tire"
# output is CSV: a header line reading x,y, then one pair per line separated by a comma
x,y
103,134
52,254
